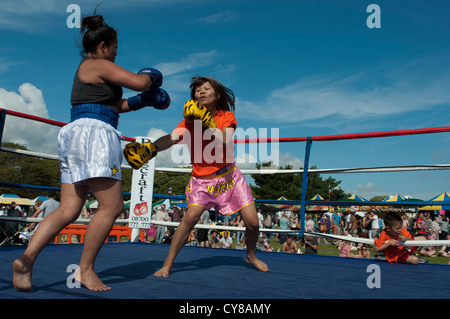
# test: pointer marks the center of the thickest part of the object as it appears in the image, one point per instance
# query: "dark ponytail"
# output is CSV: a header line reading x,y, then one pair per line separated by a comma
x,y
96,32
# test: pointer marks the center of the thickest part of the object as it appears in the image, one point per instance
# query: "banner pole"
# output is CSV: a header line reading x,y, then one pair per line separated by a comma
x,y
141,196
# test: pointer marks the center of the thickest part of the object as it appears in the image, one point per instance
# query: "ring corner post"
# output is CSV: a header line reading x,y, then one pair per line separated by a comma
x,y
304,186
2,123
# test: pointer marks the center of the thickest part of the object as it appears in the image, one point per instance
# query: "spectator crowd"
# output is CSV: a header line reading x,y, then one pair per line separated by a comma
x,y
337,223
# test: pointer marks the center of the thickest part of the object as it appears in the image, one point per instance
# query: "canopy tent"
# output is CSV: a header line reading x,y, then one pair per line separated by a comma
x,y
275,207
318,208
9,198
317,197
357,198
394,199
10,195
352,199
443,197
160,202
266,208
41,198
168,202
286,207
92,204
432,207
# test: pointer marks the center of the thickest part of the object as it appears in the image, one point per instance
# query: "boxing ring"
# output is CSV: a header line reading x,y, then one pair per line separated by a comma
x,y
222,274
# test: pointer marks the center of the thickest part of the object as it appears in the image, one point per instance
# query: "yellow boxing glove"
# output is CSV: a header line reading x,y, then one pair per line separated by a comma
x,y
137,154
193,110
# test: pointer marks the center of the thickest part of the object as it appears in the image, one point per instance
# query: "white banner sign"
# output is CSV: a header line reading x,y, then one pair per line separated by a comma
x,y
142,193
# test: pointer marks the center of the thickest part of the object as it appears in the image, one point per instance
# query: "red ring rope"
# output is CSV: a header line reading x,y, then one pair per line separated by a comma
x,y
281,139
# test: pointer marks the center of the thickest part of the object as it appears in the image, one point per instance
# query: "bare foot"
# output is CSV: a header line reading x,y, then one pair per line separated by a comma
x,y
163,272
90,280
261,266
22,268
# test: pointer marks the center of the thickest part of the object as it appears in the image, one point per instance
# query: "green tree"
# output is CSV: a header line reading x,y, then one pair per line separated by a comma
x,y
273,186
174,180
24,169
162,181
378,198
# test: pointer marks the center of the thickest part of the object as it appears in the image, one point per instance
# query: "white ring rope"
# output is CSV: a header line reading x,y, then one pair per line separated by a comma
x,y
154,222
39,219
409,243
272,171
230,228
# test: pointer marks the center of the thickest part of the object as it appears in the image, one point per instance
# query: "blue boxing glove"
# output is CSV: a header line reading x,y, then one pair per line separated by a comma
x,y
156,97
155,75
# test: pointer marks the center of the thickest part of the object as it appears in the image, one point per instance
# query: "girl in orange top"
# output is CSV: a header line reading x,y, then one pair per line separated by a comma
x,y
216,181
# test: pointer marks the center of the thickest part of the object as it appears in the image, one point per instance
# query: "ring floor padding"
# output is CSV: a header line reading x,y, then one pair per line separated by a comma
x,y
206,273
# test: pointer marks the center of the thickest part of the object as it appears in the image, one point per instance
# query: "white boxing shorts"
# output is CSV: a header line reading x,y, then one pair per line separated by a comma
x,y
89,148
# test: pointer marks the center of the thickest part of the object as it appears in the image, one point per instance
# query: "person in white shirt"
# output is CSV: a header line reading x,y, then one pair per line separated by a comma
x,y
260,218
47,206
161,215
226,240
374,231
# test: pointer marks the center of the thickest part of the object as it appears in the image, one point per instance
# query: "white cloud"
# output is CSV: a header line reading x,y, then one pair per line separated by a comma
x,y
370,93
289,159
219,17
178,74
188,63
21,14
28,7
177,155
6,65
368,188
155,133
245,160
36,136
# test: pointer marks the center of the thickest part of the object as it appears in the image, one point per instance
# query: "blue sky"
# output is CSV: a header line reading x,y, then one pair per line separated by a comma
x,y
306,68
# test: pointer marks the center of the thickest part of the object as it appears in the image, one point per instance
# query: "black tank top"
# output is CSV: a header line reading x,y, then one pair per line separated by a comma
x,y
84,93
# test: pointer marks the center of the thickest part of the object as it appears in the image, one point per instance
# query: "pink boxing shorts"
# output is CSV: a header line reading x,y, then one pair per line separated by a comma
x,y
227,192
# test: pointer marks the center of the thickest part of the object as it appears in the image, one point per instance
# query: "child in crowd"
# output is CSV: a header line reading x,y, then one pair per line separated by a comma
x,y
390,240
